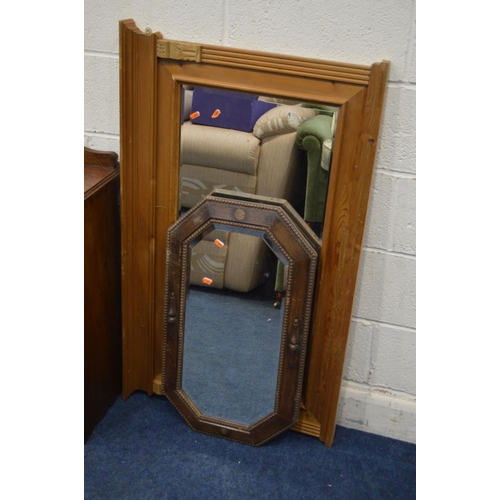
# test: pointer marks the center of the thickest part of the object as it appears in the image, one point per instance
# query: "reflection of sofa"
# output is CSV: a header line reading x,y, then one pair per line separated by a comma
x,y
265,161
316,137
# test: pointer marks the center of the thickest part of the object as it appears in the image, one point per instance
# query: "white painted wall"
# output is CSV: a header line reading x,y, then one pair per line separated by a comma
x,y
379,390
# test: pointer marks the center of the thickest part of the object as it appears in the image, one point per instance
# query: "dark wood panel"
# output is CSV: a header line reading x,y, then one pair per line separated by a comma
x,y
102,316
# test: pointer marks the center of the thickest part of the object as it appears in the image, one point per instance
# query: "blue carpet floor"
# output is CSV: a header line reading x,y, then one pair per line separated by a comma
x,y
143,449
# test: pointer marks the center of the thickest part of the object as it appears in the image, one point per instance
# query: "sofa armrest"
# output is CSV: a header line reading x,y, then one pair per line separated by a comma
x,y
319,126
310,137
282,120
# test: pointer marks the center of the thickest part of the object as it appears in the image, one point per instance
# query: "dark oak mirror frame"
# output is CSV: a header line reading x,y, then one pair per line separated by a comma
x,y
287,233
152,71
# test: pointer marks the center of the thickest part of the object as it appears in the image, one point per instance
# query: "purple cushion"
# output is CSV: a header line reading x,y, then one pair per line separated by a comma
x,y
227,109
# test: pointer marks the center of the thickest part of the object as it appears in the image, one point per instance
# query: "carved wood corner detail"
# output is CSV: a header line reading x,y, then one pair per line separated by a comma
x,y
181,51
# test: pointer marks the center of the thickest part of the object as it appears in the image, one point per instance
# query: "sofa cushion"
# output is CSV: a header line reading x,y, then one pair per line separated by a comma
x,y
227,109
220,148
280,168
282,120
197,181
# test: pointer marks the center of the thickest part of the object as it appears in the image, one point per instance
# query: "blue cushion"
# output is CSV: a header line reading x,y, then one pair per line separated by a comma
x,y
227,109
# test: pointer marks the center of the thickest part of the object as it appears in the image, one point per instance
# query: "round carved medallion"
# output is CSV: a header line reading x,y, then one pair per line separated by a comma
x,y
240,214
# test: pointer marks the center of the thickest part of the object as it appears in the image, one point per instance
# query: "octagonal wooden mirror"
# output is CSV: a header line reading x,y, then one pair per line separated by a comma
x,y
233,364
153,73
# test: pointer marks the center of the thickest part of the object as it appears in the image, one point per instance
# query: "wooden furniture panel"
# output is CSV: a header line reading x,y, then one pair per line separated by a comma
x,y
102,317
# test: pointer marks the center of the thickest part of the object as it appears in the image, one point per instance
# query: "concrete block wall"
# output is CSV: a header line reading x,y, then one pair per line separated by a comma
x,y
379,389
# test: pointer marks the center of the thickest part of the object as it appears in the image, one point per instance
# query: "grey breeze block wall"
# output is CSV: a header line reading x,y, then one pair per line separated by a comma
x,y
379,388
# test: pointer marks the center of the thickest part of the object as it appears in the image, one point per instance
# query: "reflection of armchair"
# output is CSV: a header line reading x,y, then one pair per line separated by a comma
x,y
316,137
265,161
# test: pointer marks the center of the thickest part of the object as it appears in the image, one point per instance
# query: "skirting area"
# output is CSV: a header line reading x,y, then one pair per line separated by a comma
x,y
380,411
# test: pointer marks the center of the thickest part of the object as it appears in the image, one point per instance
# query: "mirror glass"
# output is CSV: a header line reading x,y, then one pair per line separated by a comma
x,y
264,145
231,341
260,145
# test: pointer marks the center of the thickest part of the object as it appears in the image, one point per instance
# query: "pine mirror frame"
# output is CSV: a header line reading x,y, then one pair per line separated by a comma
x,y
152,71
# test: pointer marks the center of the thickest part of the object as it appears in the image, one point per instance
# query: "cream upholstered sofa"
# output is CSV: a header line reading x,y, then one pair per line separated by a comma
x,y
265,161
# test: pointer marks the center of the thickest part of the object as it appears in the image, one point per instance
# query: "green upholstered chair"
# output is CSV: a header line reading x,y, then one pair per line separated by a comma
x,y
316,137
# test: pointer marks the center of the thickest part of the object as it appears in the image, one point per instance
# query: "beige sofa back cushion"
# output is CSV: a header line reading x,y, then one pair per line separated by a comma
x,y
220,148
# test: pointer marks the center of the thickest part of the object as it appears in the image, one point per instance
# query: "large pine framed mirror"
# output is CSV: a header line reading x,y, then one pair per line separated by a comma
x,y
155,74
